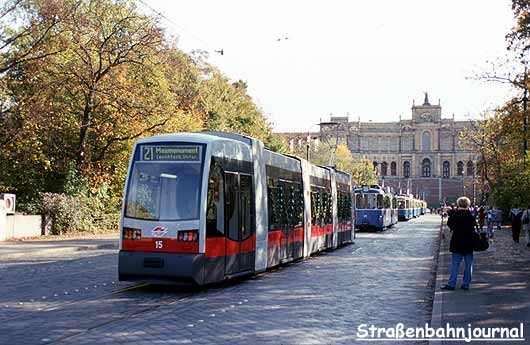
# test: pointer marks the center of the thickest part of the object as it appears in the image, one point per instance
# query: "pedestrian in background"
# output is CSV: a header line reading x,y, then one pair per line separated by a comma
x,y
492,215
525,220
498,218
515,218
462,225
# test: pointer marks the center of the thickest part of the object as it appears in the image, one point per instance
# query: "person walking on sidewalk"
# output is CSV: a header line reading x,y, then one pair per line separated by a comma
x,y
492,216
525,220
462,226
498,218
515,218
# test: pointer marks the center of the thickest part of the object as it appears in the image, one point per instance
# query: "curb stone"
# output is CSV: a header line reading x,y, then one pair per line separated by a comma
x,y
437,306
58,250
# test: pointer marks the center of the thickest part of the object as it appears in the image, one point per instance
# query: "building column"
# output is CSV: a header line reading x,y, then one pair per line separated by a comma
x,y
439,189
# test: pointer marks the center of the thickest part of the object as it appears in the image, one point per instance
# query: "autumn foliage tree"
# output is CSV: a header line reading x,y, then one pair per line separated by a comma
x,y
500,135
80,80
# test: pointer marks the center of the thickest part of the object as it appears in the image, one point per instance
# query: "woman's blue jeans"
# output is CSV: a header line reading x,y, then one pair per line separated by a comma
x,y
455,265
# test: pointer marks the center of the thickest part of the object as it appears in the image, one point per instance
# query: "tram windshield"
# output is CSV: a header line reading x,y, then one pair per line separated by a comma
x,y
369,201
165,182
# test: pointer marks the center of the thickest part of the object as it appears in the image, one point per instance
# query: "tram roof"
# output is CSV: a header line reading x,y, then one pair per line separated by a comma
x,y
370,190
200,137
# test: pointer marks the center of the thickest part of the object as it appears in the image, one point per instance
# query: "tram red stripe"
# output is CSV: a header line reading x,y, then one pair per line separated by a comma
x,y
148,244
215,247
248,245
317,231
278,237
274,238
298,234
221,246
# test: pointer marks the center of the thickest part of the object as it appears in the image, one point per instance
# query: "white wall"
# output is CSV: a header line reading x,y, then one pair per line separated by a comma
x,y
19,225
3,222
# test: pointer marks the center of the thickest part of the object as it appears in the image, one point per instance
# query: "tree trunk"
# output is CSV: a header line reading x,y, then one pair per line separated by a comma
x,y
83,131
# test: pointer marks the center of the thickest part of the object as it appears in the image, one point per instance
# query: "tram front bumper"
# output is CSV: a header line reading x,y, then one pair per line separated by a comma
x,y
176,268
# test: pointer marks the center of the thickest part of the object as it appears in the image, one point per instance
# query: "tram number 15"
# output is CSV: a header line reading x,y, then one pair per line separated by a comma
x,y
159,244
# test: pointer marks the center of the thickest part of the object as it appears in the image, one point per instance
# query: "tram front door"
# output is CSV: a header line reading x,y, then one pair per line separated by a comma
x,y
240,246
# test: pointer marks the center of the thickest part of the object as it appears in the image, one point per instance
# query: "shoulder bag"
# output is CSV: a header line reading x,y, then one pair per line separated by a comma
x,y
480,242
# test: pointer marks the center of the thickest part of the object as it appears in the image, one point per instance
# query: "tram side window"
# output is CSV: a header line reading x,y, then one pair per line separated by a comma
x,y
299,205
372,201
282,211
360,201
273,193
246,205
339,206
346,206
387,201
313,208
329,207
232,205
215,209
324,208
380,201
317,206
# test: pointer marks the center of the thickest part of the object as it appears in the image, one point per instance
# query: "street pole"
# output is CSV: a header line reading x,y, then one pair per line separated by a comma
x,y
474,201
308,148
463,187
332,147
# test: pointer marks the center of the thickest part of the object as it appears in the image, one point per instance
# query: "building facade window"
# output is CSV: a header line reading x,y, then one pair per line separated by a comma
x,y
460,168
406,169
384,169
470,168
393,169
426,168
446,169
426,141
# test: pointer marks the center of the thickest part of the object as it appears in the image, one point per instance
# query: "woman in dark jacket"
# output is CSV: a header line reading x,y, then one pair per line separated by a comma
x,y
462,224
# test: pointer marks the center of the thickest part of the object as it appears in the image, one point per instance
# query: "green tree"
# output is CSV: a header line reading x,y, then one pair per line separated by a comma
x,y
83,79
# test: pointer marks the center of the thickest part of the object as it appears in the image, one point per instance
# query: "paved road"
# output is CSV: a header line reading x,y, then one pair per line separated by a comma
x,y
382,279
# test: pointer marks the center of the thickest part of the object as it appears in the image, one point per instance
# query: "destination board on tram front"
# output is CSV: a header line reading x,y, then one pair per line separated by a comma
x,y
168,153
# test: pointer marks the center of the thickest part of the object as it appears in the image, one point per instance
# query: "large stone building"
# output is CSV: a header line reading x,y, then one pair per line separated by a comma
x,y
423,155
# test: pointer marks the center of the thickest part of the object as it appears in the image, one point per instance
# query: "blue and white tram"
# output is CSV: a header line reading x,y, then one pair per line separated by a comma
x,y
414,207
404,207
372,208
394,210
204,207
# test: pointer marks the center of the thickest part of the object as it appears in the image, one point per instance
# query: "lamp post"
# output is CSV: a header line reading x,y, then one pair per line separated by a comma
x,y
332,147
463,187
308,144
474,201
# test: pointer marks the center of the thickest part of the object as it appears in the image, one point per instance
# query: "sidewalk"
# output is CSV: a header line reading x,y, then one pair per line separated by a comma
x,y
17,249
500,290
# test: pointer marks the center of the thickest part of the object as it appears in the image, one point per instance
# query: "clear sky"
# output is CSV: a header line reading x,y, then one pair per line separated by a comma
x,y
365,58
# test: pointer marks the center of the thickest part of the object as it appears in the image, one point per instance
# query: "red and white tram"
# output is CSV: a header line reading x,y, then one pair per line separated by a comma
x,y
205,207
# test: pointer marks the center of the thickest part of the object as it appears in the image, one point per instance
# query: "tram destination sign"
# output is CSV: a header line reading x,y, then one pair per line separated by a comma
x,y
173,153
